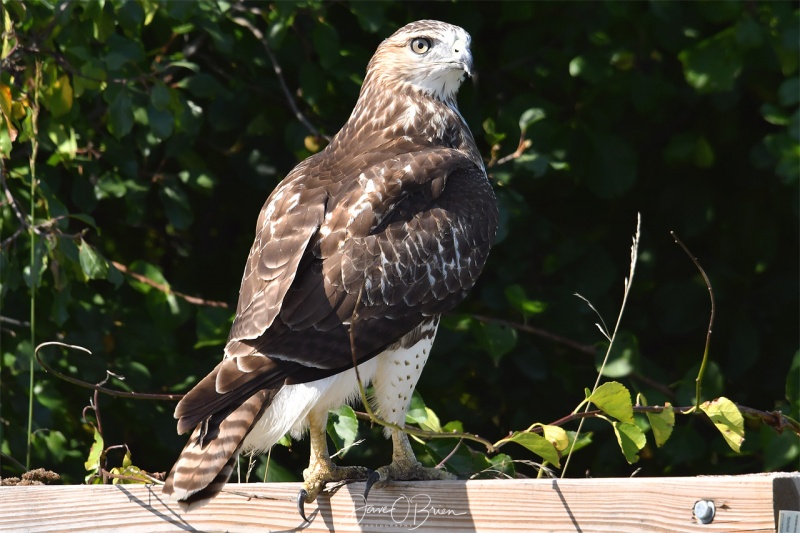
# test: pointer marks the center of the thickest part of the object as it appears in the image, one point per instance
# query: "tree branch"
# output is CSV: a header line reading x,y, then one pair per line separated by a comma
x,y
279,73
166,289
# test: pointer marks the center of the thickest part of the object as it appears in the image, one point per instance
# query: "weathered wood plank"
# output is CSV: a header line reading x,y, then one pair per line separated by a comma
x,y
743,503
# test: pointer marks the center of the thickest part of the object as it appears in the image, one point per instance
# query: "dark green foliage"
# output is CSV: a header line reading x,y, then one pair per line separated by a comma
x,y
163,127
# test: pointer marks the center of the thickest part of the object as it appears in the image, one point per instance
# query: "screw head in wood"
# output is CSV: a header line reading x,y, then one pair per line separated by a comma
x,y
704,511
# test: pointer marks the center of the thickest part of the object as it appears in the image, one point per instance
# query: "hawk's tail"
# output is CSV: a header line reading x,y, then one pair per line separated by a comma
x,y
208,459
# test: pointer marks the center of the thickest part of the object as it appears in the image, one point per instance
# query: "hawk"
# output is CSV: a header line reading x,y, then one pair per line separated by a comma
x,y
358,251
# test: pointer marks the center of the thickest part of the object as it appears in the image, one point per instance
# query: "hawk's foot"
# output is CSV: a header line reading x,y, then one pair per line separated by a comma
x,y
404,467
404,470
317,475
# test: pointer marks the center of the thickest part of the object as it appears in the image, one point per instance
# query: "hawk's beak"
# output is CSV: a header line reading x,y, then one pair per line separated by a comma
x,y
463,56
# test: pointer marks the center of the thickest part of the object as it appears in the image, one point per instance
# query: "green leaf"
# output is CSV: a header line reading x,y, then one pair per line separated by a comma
x,y
110,185
529,117
662,423
120,116
516,296
58,96
93,264
614,400
704,153
537,163
92,463
213,326
714,64
161,122
32,274
492,136
624,356
728,420
149,271
160,96
789,91
123,52
503,464
496,339
326,43
176,205
422,415
584,440
781,451
538,445
343,427
555,435
631,439
91,77
749,34
133,475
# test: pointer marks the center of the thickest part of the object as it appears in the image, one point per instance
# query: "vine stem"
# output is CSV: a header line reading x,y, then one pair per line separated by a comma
x,y
699,379
34,271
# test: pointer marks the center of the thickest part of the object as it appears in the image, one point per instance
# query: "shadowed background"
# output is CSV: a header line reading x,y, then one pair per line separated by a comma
x,y
163,128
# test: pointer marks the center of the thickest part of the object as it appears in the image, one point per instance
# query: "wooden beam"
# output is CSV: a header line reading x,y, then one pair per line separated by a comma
x,y
742,503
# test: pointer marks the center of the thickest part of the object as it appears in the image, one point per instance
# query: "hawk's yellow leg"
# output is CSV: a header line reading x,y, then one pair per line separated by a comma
x,y
321,469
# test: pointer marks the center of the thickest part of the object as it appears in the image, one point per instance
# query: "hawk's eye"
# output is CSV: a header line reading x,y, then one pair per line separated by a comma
x,y
420,45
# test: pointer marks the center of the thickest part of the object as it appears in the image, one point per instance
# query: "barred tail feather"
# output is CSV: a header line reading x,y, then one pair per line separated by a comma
x,y
206,463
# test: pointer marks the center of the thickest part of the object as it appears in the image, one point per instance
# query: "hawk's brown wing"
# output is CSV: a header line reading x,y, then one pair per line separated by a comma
x,y
411,242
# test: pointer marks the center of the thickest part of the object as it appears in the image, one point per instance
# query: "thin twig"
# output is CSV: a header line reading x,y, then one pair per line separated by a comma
x,y
279,73
585,348
702,371
166,289
14,322
13,202
104,390
524,144
451,454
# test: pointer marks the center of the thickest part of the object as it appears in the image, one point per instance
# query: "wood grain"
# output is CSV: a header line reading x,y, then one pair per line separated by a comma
x,y
744,503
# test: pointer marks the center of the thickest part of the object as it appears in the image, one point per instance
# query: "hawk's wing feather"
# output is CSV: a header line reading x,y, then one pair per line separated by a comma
x,y
406,267
289,219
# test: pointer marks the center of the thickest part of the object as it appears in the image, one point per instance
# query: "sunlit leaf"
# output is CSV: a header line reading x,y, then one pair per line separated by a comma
x,y
538,445
422,415
728,420
343,427
92,463
556,435
631,440
58,97
662,424
615,400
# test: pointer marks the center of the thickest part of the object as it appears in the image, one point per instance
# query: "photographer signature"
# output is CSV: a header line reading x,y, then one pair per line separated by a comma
x,y
411,512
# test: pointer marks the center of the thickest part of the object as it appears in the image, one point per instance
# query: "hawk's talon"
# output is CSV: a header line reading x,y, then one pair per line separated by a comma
x,y
373,478
301,504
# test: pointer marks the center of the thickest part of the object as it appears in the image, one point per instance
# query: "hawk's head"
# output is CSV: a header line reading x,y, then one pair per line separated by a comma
x,y
429,55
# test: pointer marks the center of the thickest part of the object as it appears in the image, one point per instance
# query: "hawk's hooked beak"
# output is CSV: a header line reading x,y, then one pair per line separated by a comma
x,y
463,56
